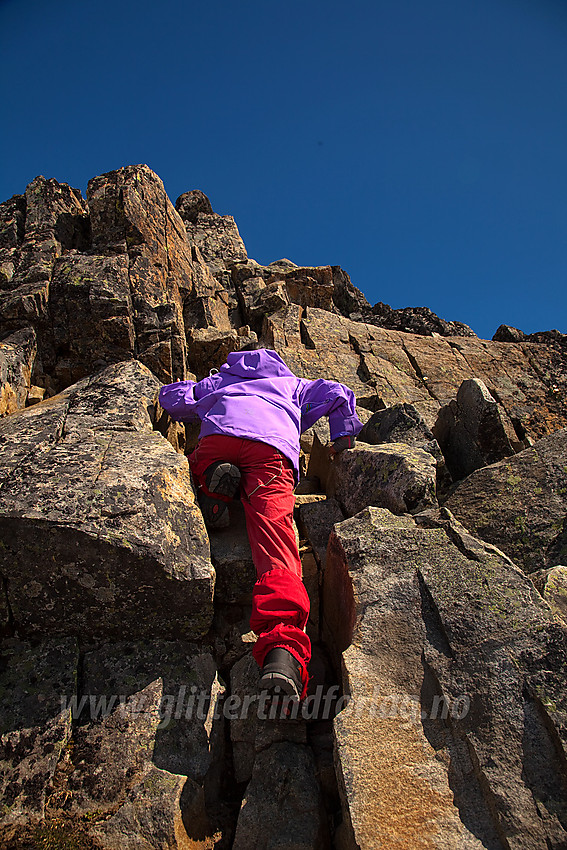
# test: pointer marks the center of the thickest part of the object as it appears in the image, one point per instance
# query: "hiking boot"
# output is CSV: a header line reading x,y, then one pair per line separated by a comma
x,y
281,675
223,478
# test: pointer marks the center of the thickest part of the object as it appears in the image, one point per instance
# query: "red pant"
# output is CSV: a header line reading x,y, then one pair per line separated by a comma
x,y
280,604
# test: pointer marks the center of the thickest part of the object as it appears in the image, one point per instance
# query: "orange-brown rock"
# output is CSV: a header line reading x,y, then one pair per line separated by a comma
x,y
454,667
17,356
102,545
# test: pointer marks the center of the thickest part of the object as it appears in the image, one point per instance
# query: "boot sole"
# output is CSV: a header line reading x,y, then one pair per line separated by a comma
x,y
215,512
279,683
225,479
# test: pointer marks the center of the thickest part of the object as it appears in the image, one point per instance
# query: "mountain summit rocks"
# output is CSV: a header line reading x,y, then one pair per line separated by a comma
x,y
433,552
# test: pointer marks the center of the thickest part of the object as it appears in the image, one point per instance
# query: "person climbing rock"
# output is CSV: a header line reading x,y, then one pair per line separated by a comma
x,y
253,411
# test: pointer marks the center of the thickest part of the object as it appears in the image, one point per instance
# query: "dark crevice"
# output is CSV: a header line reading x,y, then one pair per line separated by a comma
x,y
134,313
362,370
242,307
354,344
556,551
495,395
130,242
488,797
80,720
225,808
305,337
73,232
473,796
62,430
434,628
102,462
544,763
419,373
518,428
63,350
7,629
21,218
548,725
320,736
453,535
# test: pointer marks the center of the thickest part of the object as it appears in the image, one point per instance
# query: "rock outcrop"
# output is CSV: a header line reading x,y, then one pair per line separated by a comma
x,y
474,430
454,666
130,716
391,475
417,320
555,591
520,504
101,533
17,355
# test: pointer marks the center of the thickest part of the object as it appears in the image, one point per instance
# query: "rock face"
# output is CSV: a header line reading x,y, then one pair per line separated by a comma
x,y
17,355
127,276
118,546
282,801
520,504
129,709
215,236
34,729
456,703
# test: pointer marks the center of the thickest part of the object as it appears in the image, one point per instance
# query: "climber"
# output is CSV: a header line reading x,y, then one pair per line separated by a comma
x,y
253,410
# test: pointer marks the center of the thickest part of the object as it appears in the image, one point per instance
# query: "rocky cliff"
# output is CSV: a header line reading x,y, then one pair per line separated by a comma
x,y
434,553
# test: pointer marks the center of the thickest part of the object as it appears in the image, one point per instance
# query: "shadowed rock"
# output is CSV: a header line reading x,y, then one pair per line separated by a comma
x,y
474,430
28,761
520,503
416,320
35,723
282,805
151,817
17,356
131,214
317,521
190,204
215,236
232,559
155,743
555,591
506,333
38,227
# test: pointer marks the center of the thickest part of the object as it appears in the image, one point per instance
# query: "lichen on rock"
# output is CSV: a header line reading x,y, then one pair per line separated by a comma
x,y
125,649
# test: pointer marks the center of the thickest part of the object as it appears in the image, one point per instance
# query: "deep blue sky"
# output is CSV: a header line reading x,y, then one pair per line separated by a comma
x,y
420,145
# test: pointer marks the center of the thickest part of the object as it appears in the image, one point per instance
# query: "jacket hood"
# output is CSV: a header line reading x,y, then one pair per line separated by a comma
x,y
263,363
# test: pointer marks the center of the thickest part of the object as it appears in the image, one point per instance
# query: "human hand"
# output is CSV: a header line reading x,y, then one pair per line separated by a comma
x,y
340,444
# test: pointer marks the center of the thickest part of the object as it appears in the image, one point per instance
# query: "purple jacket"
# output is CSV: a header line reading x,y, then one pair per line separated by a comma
x,y
254,395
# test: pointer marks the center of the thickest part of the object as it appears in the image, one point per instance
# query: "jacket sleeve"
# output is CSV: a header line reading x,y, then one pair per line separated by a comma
x,y
180,399
328,398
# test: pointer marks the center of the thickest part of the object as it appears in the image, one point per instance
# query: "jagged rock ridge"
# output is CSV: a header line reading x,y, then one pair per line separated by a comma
x,y
125,648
